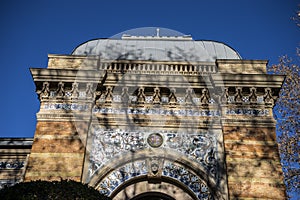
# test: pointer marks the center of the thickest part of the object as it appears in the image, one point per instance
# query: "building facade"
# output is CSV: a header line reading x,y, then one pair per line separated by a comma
x,y
165,117
14,153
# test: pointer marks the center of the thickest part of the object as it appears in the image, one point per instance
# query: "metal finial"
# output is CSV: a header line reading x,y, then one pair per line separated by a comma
x,y
157,32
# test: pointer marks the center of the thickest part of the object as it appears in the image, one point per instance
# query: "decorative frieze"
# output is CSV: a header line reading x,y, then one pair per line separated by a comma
x,y
247,111
16,164
158,111
53,91
7,183
251,97
65,106
172,100
188,178
233,95
121,175
108,144
169,169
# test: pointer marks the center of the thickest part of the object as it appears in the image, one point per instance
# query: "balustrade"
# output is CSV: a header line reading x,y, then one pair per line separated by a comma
x,y
157,67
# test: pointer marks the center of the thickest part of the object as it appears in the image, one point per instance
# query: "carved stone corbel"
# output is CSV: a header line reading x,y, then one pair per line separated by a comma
x,y
269,99
45,92
74,91
156,96
89,91
108,95
188,97
125,96
141,96
238,95
60,91
253,96
204,99
172,98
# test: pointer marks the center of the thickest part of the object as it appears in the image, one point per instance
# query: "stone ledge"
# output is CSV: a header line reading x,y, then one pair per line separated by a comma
x,y
242,66
52,174
256,190
59,155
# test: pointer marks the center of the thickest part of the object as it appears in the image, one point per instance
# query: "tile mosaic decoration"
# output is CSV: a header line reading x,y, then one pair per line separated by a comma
x,y
110,144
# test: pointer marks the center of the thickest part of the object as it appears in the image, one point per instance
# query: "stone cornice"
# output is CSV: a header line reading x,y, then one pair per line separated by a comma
x,y
258,80
242,66
66,56
236,61
66,75
15,142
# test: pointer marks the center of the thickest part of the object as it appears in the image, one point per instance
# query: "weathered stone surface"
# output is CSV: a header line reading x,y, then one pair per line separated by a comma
x,y
253,163
239,133
50,166
55,128
56,177
63,62
249,189
66,163
57,151
243,67
58,145
13,156
8,173
254,168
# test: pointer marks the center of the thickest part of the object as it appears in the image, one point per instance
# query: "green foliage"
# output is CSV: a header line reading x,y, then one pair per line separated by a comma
x,y
45,190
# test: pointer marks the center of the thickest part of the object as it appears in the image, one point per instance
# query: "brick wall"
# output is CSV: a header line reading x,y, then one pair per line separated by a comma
x,y
57,151
253,163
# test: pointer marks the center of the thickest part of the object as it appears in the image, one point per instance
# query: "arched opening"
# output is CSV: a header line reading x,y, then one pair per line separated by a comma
x,y
133,174
152,189
152,196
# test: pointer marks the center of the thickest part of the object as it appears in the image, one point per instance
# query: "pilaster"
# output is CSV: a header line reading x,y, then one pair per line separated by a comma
x,y
251,151
66,100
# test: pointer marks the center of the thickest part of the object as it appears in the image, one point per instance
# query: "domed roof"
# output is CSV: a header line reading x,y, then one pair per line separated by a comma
x,y
157,48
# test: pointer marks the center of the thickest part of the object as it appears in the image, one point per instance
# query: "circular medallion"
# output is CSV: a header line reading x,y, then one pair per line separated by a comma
x,y
155,140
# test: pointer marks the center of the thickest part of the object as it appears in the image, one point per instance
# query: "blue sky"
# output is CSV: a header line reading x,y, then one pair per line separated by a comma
x,y
257,29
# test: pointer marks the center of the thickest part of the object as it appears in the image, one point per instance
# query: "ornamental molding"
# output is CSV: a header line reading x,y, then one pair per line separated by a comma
x,y
253,112
62,116
66,106
246,80
86,92
259,122
169,170
16,164
159,111
104,145
67,75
